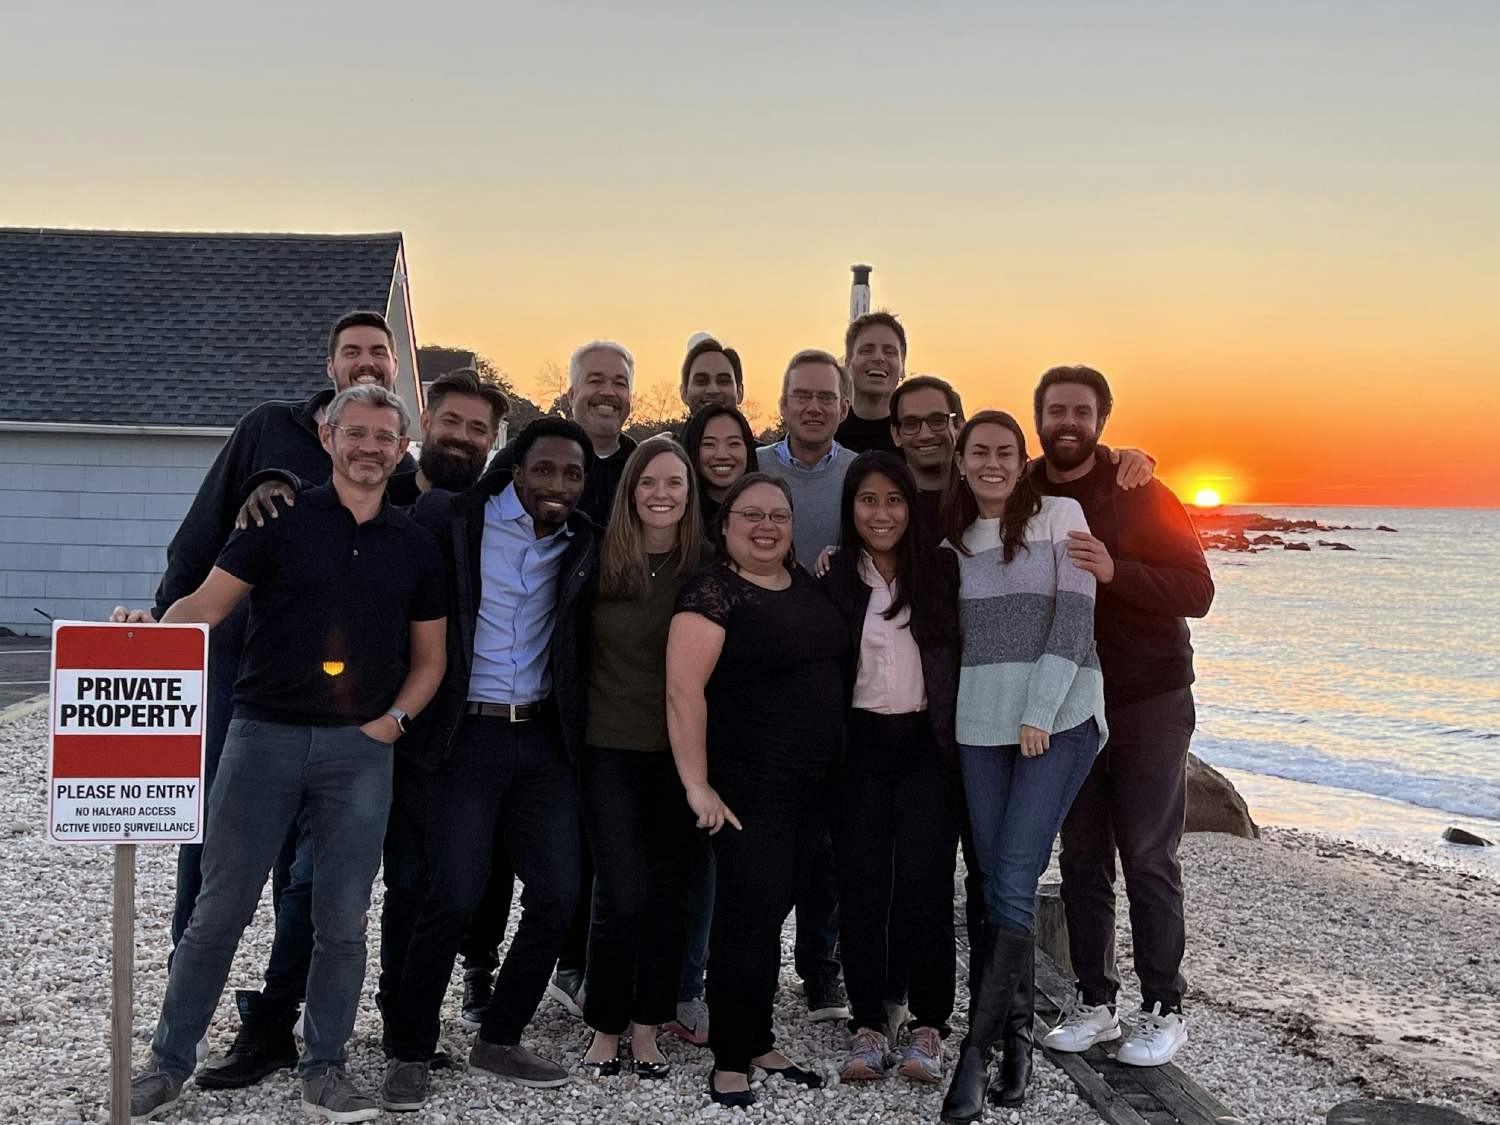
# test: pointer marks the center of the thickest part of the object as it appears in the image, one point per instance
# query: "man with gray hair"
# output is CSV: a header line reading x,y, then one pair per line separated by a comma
x,y
346,642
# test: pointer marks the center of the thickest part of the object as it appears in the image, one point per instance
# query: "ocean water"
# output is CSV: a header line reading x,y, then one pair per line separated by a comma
x,y
1359,691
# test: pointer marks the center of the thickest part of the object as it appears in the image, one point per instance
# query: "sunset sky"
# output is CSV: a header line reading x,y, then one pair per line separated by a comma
x,y
1273,225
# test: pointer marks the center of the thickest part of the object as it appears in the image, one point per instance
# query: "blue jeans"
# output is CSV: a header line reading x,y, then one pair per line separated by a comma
x,y
268,772
1017,805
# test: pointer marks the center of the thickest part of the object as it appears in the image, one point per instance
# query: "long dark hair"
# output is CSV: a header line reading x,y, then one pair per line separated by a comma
x,y
716,529
692,436
916,557
960,509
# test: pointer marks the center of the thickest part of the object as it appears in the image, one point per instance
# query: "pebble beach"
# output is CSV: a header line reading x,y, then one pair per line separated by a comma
x,y
1319,972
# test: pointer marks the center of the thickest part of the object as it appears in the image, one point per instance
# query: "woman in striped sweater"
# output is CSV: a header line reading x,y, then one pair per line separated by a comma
x,y
1030,720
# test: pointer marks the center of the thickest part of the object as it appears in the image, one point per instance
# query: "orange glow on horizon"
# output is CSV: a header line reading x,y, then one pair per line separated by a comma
x,y
1206,498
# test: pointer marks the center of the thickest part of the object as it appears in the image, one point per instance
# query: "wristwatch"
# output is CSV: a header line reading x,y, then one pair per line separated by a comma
x,y
403,724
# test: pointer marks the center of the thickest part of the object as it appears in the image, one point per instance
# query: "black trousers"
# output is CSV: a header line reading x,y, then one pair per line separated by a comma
x,y
759,871
896,817
641,830
1134,801
518,777
481,945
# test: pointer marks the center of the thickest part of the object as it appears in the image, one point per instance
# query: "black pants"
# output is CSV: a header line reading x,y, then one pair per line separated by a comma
x,y
404,870
1134,800
573,957
641,829
481,945
516,776
815,953
759,870
896,816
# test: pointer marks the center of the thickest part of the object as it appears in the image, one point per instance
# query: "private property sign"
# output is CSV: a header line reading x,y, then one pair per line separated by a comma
x,y
127,733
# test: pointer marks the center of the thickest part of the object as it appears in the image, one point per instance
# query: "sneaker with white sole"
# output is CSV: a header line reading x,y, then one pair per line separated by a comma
x,y
1154,1039
566,987
867,1057
332,1095
1082,1026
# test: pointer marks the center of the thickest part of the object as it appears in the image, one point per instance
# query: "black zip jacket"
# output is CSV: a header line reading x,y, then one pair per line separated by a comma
x,y
1161,577
456,520
940,663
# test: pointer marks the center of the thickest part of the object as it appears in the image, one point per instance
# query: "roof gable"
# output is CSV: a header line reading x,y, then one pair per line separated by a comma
x,y
122,328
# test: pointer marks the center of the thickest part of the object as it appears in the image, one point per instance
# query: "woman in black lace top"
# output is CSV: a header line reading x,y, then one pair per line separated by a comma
x,y
754,685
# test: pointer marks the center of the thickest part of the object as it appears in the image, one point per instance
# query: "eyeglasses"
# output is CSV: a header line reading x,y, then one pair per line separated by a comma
x,y
755,515
807,398
937,423
383,438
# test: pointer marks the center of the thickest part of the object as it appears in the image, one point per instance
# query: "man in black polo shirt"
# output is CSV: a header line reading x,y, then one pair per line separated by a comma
x,y
1145,554
498,748
346,640
361,352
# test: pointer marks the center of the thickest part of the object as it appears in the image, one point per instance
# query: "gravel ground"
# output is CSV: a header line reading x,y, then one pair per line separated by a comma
x,y
1278,915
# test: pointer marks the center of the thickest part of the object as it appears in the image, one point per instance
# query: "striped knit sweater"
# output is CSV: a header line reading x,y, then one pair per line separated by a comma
x,y
1028,632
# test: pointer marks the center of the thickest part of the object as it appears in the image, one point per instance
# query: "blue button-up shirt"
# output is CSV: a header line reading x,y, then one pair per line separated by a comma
x,y
518,576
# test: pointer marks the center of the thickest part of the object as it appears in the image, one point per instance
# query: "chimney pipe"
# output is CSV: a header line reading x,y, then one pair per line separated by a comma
x,y
859,292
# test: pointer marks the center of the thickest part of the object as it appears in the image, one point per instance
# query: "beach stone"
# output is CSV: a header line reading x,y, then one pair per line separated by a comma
x,y
1213,803
1456,835
1297,547
1392,1111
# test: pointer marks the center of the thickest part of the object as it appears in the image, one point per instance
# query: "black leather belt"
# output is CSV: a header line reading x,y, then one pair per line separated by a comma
x,y
510,712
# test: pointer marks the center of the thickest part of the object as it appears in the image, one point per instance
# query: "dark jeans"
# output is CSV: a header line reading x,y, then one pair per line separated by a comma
x,y
515,775
291,876
641,829
405,874
816,953
700,917
1016,805
481,945
573,957
1134,799
759,870
267,772
895,835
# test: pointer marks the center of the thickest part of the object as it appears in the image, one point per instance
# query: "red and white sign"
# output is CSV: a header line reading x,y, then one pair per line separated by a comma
x,y
127,733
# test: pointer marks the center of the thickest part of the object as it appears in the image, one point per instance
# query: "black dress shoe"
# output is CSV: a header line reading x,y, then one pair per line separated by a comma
x,y
650,1071
262,1045
809,1078
606,1068
741,1098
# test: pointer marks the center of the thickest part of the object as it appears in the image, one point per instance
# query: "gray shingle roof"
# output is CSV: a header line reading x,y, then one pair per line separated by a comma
x,y
123,327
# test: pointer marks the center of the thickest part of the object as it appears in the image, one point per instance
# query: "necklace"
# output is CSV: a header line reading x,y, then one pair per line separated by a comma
x,y
659,567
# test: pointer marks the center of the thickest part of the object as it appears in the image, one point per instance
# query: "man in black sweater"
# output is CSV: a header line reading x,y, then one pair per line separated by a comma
x,y
1151,572
275,435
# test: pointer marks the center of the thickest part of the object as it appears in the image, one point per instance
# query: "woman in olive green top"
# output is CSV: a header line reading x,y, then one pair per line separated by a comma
x,y
638,821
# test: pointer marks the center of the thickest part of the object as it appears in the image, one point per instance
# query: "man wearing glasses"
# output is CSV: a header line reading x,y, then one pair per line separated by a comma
x,y
346,641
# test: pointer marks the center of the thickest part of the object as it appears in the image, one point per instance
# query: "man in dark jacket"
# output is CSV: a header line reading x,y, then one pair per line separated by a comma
x,y
1151,574
284,435
497,749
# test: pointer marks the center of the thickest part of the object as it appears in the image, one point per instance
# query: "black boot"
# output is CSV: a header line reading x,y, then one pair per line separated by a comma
x,y
1006,957
264,1044
1015,1042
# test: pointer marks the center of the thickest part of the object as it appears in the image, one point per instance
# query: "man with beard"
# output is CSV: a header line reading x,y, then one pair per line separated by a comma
x,y
497,751
1151,574
285,435
875,354
345,642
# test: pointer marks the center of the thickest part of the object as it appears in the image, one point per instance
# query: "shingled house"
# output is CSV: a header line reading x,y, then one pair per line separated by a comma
x,y
125,360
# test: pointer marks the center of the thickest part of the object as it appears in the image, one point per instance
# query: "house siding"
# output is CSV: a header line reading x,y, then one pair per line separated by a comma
x,y
85,520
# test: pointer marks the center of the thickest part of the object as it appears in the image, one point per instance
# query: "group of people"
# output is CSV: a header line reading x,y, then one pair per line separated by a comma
x,y
680,689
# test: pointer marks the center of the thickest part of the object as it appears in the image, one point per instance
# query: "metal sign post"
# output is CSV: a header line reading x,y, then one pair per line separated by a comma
x,y
122,984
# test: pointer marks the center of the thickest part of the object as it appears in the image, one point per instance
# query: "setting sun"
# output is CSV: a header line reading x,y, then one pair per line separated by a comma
x,y
1206,498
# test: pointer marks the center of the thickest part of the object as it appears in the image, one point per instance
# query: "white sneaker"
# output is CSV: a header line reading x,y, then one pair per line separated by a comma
x,y
1082,1027
297,1028
1154,1039
201,1052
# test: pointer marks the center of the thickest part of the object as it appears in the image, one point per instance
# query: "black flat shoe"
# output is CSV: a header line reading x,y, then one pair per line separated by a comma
x,y
741,1098
809,1078
650,1071
606,1069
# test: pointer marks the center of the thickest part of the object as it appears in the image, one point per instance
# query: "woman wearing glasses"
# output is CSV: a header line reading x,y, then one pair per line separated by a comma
x,y
896,793
753,675
639,826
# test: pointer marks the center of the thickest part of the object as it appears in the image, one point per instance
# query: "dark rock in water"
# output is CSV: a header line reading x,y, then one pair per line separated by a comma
x,y
1334,546
1231,531
1296,546
1382,527
1213,803
1393,1111
1456,835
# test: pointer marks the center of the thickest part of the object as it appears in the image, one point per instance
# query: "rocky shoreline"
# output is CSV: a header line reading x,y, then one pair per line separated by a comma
x,y
1251,532
1318,972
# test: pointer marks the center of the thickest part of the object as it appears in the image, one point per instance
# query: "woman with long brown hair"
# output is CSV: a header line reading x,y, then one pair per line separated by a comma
x,y
638,821
1029,721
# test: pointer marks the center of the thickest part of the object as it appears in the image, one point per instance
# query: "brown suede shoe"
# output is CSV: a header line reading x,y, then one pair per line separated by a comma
x,y
516,1064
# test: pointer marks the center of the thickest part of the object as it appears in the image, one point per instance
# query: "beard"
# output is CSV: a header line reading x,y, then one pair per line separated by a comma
x,y
450,467
1067,459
